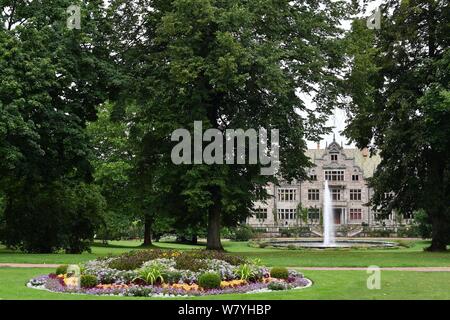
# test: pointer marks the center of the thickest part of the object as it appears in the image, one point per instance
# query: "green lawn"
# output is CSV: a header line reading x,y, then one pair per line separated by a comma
x,y
413,256
327,285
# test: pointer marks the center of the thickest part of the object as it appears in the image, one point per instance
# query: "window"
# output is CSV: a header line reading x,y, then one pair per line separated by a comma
x,y
313,194
313,214
336,194
355,177
355,214
313,177
334,157
286,214
260,213
287,195
334,175
355,194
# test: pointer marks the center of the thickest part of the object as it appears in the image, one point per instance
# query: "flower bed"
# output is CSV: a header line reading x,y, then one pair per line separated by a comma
x,y
170,273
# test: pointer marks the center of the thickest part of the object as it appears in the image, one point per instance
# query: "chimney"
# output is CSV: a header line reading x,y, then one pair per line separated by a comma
x,y
365,152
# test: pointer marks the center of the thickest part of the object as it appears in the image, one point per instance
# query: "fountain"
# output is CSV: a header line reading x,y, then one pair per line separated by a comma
x,y
329,234
328,219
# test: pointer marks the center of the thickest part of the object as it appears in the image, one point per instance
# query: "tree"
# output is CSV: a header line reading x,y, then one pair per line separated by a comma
x,y
231,64
399,86
52,80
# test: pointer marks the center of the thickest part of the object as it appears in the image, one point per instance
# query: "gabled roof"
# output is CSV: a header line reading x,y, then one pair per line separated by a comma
x,y
367,164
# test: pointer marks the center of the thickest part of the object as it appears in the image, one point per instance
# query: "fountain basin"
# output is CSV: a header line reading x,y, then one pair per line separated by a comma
x,y
337,244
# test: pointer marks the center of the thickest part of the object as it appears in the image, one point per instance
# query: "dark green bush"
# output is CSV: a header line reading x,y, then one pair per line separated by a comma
x,y
209,280
279,273
243,233
276,286
286,233
172,276
62,269
190,262
88,281
56,216
422,225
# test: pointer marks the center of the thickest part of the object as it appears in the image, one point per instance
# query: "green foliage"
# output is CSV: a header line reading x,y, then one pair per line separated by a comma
x,y
191,260
172,276
221,73
279,273
62,269
302,213
53,216
400,108
151,275
245,271
422,226
277,286
88,281
243,233
52,82
209,280
134,259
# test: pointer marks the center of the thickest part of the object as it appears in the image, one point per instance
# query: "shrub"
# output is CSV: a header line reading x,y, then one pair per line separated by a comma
x,y
286,233
243,233
80,206
88,281
172,276
151,275
190,262
62,269
134,259
279,273
263,245
276,286
245,272
209,280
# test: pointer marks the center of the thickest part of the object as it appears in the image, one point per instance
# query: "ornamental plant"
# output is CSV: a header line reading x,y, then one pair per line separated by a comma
x,y
245,272
209,280
279,273
151,274
88,281
62,269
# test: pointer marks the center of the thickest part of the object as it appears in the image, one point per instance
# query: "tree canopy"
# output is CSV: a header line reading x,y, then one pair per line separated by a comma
x,y
399,86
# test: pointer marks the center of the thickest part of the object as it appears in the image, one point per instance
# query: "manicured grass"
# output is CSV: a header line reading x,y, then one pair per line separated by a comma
x,y
413,256
327,285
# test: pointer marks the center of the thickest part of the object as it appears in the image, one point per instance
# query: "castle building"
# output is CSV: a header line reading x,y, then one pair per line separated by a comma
x,y
300,203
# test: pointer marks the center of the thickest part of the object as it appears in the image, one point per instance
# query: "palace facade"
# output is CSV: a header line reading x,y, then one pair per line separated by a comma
x,y
346,171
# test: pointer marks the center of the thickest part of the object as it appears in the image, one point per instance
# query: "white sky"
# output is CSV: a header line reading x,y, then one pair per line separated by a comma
x,y
338,120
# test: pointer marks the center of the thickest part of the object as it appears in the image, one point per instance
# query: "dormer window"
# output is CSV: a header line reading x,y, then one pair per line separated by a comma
x,y
334,157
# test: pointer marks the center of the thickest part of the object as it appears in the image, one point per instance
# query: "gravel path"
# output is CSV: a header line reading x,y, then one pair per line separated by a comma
x,y
416,269
27,265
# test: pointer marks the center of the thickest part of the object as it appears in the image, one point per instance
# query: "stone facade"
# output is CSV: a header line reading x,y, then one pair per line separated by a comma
x,y
346,171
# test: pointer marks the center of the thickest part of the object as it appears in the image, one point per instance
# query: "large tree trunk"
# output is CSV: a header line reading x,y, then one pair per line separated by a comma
x,y
436,203
148,223
440,232
214,219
